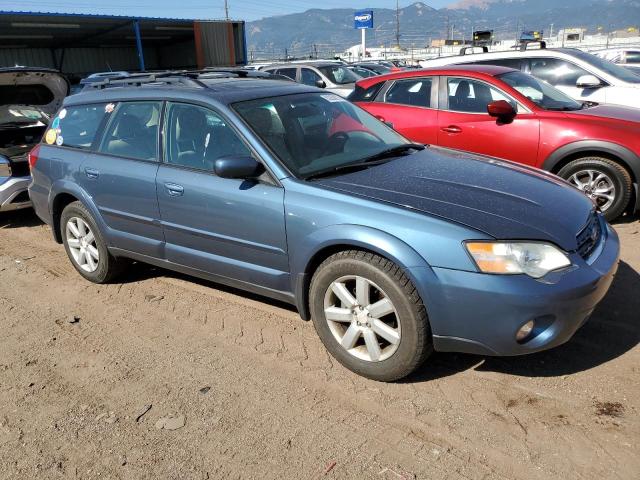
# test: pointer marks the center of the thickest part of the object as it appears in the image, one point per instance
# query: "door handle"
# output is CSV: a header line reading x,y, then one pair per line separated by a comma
x,y
451,129
91,173
174,190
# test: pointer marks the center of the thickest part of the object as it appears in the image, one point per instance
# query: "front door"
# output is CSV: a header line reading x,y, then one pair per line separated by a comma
x,y
226,227
464,123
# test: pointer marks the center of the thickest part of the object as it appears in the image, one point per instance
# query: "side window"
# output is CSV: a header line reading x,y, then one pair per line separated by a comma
x,y
76,126
556,72
309,77
287,72
415,92
196,137
133,131
360,94
502,62
472,96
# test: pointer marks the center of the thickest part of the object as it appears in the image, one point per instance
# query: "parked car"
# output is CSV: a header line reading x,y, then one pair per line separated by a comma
x,y
392,249
331,76
376,67
620,56
362,72
581,75
505,113
29,97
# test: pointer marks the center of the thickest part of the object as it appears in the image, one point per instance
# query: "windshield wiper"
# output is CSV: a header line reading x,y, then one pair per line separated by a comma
x,y
370,161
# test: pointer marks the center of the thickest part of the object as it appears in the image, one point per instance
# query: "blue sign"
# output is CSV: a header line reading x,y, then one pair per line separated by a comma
x,y
363,19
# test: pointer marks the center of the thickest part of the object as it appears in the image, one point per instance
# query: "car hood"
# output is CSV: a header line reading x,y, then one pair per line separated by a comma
x,y
28,96
502,199
627,114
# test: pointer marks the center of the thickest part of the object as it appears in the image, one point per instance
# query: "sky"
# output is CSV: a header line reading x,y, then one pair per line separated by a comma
x,y
201,9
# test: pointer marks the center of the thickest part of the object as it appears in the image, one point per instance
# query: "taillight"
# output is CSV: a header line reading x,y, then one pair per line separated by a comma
x,y
33,157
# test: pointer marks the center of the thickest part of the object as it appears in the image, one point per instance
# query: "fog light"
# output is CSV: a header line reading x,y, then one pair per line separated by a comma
x,y
525,331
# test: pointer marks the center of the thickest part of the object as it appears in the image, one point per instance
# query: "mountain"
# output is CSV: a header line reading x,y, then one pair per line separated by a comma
x,y
331,30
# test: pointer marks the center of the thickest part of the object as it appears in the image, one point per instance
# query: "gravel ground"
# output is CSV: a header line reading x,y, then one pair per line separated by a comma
x,y
162,377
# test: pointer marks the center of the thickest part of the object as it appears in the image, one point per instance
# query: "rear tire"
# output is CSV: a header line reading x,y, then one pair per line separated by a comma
x,y
369,315
605,181
85,245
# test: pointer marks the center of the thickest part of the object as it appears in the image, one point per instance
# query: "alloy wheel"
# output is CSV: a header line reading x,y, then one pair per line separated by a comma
x,y
362,318
597,185
82,244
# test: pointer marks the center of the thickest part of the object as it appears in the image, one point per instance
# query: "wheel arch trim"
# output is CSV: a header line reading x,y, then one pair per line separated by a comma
x,y
322,243
629,159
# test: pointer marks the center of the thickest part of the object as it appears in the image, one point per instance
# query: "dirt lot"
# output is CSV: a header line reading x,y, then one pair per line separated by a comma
x,y
243,388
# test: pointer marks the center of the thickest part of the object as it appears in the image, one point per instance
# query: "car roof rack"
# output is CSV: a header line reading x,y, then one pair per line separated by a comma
x,y
463,50
187,78
524,44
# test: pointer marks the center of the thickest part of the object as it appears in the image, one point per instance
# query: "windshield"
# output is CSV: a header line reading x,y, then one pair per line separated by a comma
x,y
611,68
539,92
314,132
338,74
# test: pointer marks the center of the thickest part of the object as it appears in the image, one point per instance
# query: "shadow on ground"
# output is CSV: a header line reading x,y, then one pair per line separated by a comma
x,y
19,218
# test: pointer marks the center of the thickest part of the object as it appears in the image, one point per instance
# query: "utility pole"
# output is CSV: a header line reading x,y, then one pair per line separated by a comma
x,y
550,31
398,23
226,9
447,28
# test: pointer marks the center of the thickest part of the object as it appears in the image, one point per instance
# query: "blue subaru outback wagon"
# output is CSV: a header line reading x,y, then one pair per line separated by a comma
x,y
394,250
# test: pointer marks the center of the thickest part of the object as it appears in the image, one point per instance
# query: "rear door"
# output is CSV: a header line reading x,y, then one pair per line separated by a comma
x,y
120,175
409,105
464,123
228,227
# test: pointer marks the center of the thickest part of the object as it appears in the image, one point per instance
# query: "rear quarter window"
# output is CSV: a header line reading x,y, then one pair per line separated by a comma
x,y
76,126
361,94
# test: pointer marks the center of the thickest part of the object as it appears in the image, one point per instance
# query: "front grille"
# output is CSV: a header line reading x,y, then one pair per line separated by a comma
x,y
589,237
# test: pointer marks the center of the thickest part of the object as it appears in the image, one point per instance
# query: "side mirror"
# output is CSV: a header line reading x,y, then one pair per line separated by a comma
x,y
237,166
502,110
321,84
588,81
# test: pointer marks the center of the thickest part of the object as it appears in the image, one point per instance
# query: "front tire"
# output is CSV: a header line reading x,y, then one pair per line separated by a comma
x,y
605,181
369,315
85,245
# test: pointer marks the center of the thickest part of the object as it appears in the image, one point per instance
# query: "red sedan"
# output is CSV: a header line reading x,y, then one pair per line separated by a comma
x,y
505,113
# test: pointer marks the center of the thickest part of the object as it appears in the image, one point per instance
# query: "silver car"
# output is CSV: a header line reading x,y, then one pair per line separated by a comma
x,y
332,76
28,99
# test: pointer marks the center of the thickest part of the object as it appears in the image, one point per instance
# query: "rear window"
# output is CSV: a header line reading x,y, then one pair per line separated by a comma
x,y
414,92
25,95
361,94
77,126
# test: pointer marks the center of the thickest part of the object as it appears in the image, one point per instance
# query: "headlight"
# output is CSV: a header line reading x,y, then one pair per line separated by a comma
x,y
533,259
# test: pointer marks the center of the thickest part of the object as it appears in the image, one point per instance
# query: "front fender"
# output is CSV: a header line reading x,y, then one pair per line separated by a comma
x,y
314,248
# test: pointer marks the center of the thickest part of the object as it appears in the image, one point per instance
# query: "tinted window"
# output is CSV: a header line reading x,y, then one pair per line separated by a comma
x,y
502,62
287,72
540,92
309,77
466,95
338,74
76,126
611,68
196,137
133,131
360,94
556,72
316,132
633,57
416,93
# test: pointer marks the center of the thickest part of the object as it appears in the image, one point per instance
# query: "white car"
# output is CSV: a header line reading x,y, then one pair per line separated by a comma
x,y
581,75
330,75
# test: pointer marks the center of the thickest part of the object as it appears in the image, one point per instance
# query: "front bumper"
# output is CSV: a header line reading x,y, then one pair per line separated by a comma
x,y
479,313
13,193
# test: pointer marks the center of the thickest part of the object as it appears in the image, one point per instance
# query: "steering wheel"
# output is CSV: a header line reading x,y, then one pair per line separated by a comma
x,y
335,143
